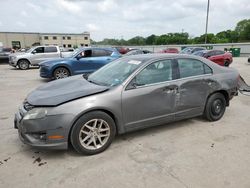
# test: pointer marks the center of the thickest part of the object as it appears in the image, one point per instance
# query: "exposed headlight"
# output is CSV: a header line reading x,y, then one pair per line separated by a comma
x,y
13,57
36,113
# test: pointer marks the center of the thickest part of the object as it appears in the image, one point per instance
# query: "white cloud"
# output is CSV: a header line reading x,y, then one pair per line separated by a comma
x,y
70,6
24,13
116,18
92,27
107,5
20,24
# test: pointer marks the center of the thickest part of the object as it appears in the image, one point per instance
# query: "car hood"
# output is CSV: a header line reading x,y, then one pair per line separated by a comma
x,y
64,90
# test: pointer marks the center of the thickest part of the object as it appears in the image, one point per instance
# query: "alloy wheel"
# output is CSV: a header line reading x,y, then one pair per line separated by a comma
x,y
94,134
61,73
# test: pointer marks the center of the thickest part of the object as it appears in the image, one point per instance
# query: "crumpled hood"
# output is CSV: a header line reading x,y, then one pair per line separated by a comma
x,y
61,91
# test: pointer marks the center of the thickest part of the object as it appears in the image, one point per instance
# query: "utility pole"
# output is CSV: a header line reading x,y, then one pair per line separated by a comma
x,y
208,4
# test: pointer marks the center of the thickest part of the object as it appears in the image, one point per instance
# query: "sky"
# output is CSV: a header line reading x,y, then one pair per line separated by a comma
x,y
121,18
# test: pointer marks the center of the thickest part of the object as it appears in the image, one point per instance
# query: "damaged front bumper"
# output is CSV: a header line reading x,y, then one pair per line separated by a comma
x,y
38,132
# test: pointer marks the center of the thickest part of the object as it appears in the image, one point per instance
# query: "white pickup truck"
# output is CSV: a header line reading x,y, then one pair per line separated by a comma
x,y
34,56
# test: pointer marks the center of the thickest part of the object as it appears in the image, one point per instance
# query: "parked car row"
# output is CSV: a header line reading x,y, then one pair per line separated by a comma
x,y
4,53
55,64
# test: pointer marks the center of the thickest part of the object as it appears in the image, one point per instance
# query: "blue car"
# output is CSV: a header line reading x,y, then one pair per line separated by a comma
x,y
82,61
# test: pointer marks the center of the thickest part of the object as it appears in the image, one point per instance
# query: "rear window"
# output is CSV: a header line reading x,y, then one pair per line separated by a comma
x,y
192,67
50,49
100,53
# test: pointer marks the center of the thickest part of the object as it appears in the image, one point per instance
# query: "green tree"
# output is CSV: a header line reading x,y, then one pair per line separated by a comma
x,y
243,30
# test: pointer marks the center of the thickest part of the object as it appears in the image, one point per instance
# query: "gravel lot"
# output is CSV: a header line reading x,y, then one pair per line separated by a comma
x,y
190,153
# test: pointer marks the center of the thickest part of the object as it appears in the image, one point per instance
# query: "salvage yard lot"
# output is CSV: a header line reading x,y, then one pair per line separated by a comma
x,y
190,153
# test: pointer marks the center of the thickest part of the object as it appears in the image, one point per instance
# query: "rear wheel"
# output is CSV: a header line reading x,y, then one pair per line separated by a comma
x,y
215,107
23,64
226,63
93,133
60,73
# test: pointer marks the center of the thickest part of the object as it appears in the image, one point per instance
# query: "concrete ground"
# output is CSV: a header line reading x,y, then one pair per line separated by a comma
x,y
190,153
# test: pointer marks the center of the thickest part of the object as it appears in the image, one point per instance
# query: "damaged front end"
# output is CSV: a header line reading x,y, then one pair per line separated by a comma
x,y
243,87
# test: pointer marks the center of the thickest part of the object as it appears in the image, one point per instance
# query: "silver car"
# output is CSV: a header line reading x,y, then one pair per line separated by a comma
x,y
130,93
34,56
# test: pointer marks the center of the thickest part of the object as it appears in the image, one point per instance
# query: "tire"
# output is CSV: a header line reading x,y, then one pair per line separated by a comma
x,y
215,107
226,63
60,73
23,64
93,133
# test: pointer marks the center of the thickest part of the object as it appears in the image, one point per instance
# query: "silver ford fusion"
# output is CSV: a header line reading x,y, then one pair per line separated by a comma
x,y
131,93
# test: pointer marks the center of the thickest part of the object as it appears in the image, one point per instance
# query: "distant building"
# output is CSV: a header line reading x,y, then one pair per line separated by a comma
x,y
25,39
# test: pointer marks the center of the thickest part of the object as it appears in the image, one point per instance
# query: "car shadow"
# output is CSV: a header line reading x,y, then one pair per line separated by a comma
x,y
17,69
119,140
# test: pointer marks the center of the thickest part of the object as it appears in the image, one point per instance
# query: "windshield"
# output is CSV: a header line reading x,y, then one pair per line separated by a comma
x,y
30,50
75,52
199,53
114,73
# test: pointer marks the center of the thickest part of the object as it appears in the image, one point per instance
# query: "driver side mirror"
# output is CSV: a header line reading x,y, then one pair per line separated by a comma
x,y
80,55
33,52
132,84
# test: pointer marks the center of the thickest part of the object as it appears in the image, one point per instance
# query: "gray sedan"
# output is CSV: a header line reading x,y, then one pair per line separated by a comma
x,y
130,93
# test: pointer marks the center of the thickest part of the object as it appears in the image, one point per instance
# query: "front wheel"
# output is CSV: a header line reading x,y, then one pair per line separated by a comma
x,y
23,64
61,72
215,107
93,133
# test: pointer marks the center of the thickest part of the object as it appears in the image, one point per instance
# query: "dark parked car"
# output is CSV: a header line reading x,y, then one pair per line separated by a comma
x,y
130,93
137,52
170,50
191,50
218,56
82,61
4,54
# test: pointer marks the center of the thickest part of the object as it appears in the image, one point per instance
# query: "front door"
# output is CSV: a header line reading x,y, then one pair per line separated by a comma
x,y
37,55
152,99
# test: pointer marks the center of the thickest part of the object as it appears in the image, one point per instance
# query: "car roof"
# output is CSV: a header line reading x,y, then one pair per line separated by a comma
x,y
156,56
99,48
145,58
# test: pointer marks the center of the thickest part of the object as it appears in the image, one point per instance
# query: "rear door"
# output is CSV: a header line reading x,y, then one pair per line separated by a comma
x,y
51,52
194,85
149,99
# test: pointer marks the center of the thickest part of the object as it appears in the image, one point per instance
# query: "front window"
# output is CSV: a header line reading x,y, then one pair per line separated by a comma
x,y
114,73
39,50
157,72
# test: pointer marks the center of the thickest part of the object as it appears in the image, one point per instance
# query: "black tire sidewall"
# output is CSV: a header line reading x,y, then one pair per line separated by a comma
x,y
22,61
226,63
74,136
208,109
